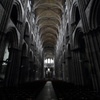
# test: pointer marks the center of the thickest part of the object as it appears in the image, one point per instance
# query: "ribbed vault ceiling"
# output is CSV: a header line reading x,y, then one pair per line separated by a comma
x,y
48,19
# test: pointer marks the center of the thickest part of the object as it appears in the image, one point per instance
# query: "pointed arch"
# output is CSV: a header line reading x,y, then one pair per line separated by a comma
x,y
75,16
20,10
13,35
75,38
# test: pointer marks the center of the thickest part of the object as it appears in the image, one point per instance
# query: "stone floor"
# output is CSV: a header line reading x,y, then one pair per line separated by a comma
x,y
47,92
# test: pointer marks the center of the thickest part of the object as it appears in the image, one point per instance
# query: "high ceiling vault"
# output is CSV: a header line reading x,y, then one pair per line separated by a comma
x,y
48,19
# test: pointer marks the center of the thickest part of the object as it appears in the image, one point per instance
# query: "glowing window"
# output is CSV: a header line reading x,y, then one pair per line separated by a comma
x,y
45,61
52,61
49,61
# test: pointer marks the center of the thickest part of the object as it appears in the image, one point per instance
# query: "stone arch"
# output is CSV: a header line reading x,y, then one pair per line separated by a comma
x,y
77,37
19,9
75,16
13,36
80,59
11,45
57,5
94,15
51,15
14,15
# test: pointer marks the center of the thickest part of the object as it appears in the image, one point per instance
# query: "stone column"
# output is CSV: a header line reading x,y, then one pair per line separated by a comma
x,y
12,72
23,76
31,71
89,44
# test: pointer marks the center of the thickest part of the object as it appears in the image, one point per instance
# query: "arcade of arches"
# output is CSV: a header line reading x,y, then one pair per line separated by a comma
x,y
49,47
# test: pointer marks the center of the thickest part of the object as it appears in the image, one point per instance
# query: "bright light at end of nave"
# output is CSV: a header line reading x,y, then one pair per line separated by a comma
x,y
49,61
